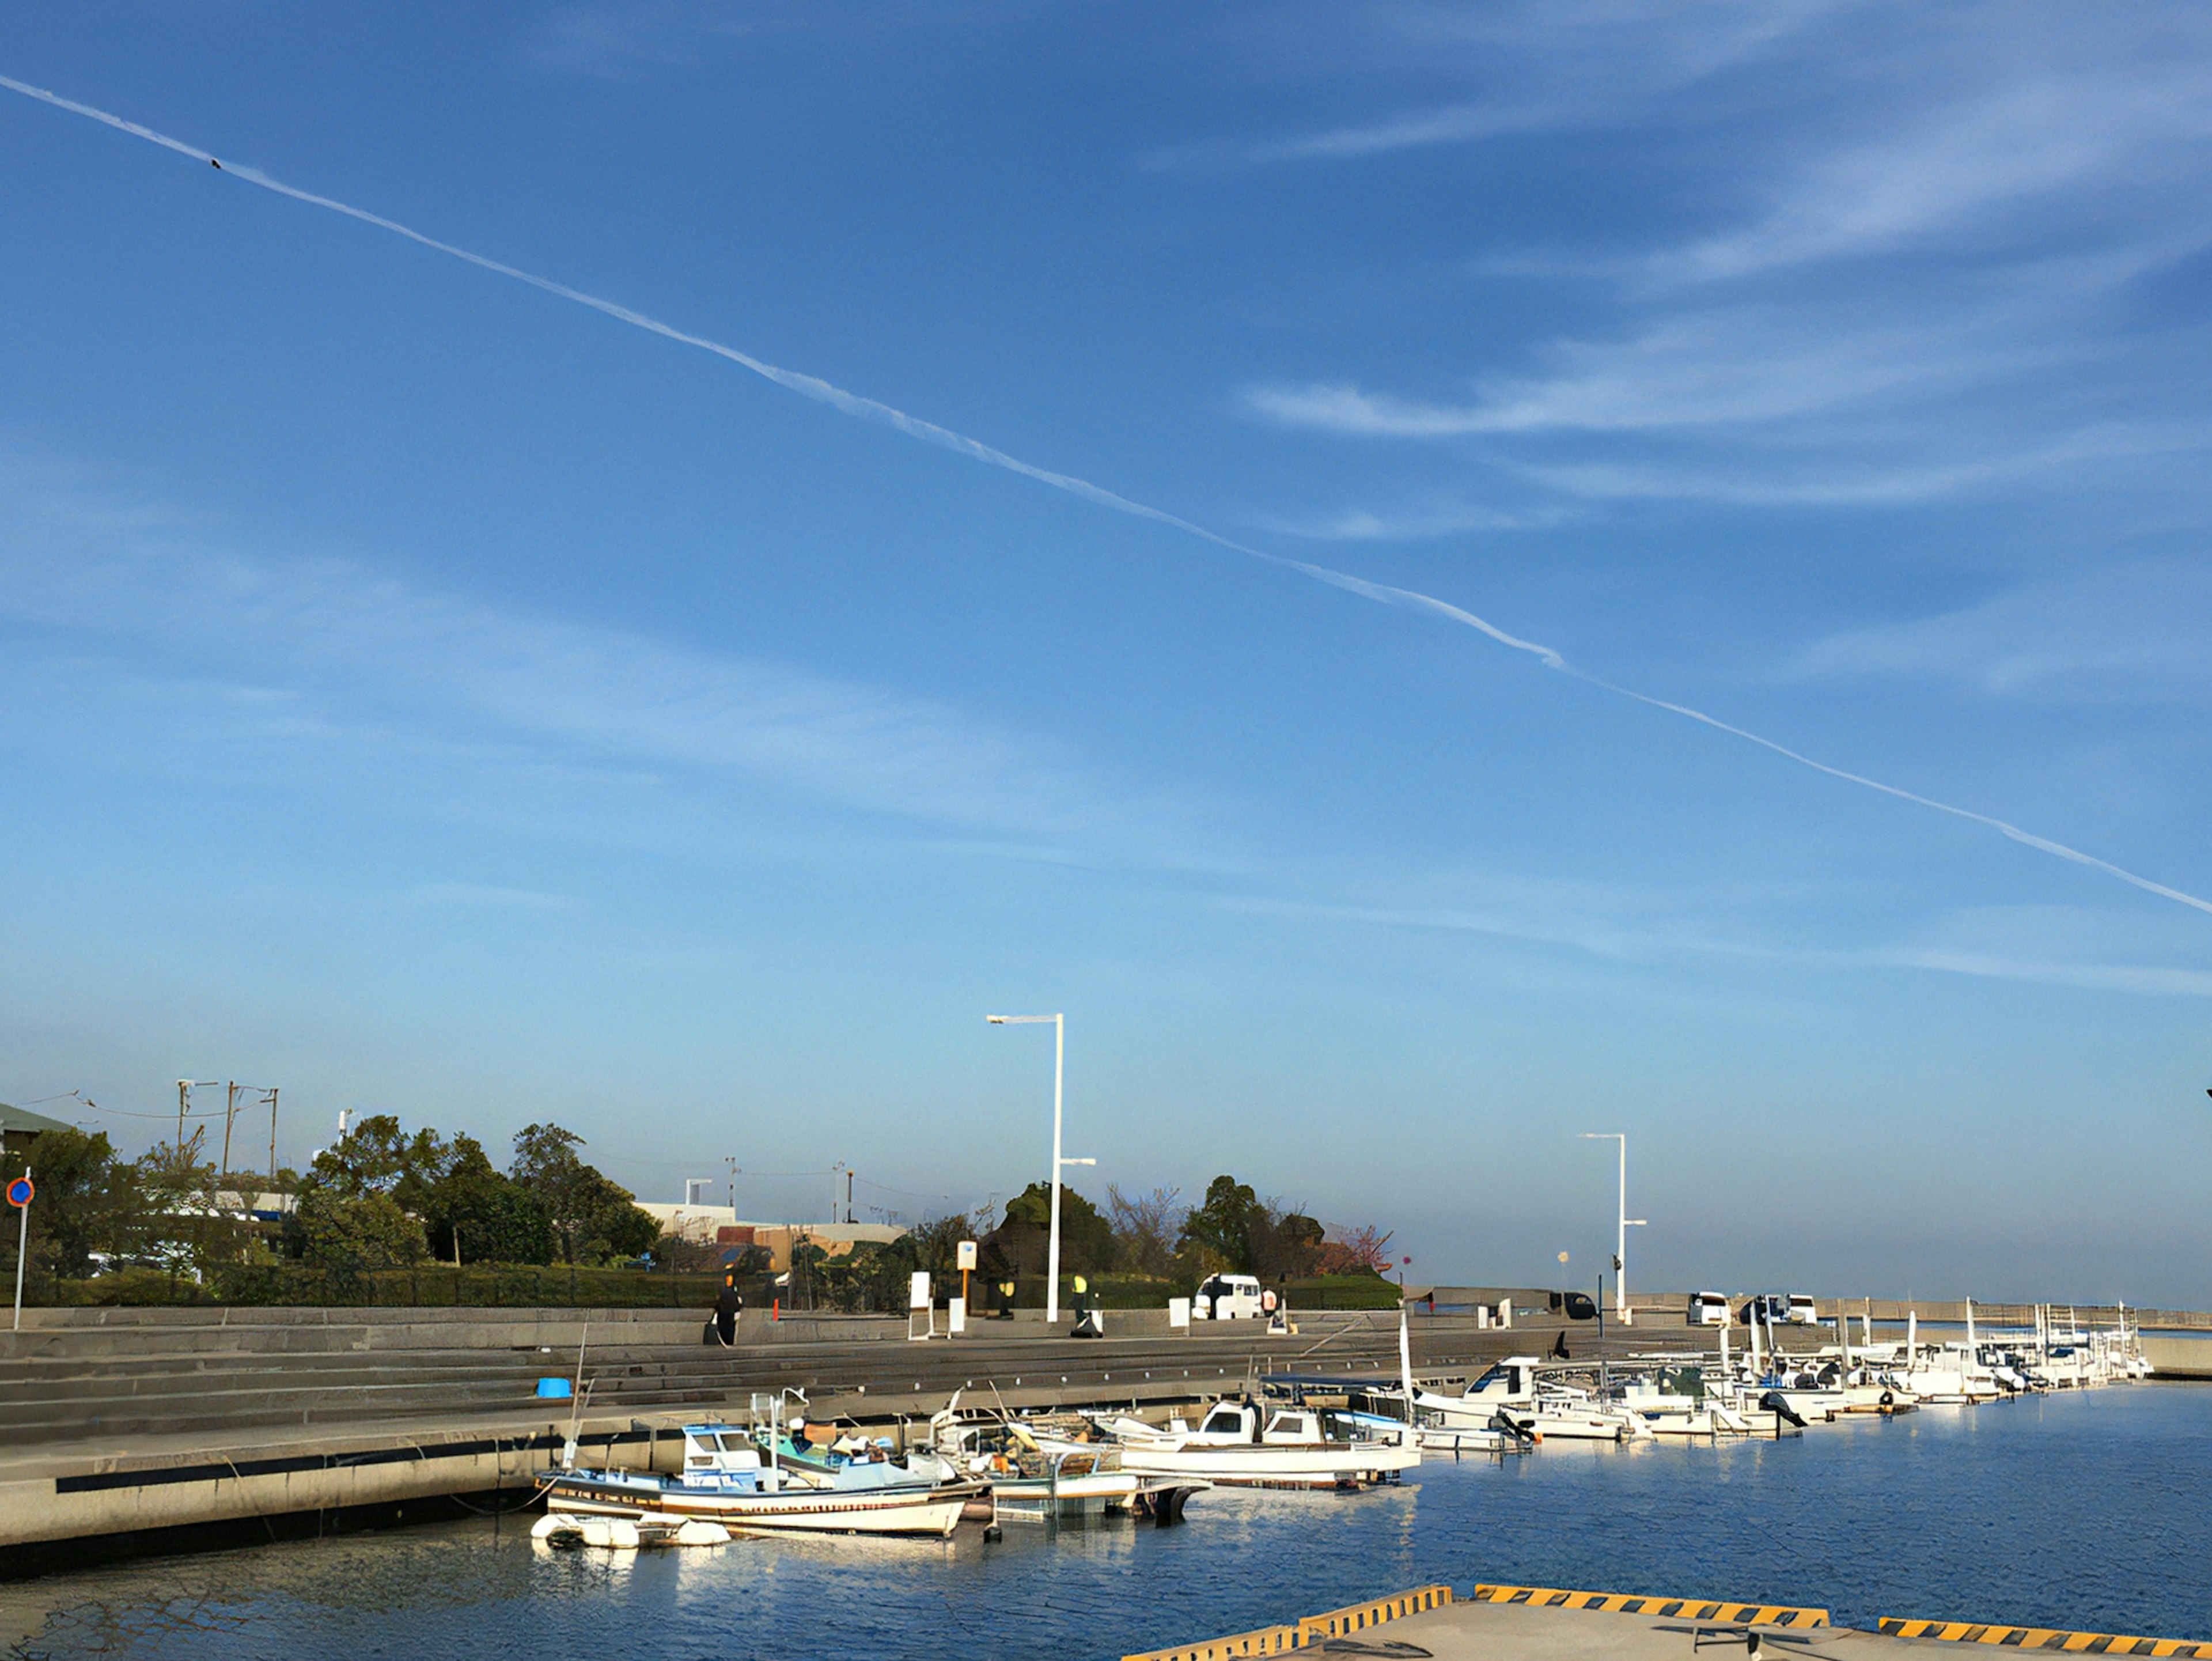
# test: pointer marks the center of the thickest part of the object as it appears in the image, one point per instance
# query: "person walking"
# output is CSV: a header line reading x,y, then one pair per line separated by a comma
x,y
729,1304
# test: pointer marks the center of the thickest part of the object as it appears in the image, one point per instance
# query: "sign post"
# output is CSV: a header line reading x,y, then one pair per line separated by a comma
x,y
19,1195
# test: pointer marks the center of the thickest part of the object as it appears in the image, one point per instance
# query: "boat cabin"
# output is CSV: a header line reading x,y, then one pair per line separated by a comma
x,y
722,1457
1510,1383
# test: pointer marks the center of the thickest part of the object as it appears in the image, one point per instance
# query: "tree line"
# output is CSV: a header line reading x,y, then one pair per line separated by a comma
x,y
1153,1235
380,1199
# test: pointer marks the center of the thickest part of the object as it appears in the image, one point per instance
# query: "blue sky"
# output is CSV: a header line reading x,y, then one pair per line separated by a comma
x,y
426,693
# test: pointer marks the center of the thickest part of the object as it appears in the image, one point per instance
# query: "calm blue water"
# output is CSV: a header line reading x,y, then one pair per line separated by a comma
x,y
2091,1512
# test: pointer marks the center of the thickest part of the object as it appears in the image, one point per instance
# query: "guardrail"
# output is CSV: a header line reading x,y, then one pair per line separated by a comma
x,y
2043,1637
1628,1603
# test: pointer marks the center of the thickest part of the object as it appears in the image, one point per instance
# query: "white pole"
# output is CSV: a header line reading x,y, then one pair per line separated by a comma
x,y
1052,1253
22,1251
1405,1370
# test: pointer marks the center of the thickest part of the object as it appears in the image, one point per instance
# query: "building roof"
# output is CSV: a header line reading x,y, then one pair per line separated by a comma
x,y
22,1121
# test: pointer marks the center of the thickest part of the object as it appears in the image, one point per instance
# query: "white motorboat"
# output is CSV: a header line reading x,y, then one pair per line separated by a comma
x,y
1291,1448
1532,1406
726,1480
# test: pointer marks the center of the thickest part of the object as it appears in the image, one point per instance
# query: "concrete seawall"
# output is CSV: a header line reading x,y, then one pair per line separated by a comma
x,y
136,1430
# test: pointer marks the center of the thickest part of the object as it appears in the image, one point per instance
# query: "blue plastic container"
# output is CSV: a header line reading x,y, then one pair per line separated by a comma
x,y
555,1388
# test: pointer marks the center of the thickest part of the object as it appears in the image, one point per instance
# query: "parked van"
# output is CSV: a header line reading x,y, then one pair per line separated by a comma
x,y
1708,1309
1226,1298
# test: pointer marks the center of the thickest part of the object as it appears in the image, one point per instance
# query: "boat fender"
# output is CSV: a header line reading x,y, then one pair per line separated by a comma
x,y
1888,1400
551,1524
699,1532
622,1533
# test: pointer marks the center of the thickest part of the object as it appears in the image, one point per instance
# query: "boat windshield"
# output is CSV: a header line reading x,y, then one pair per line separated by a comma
x,y
1499,1375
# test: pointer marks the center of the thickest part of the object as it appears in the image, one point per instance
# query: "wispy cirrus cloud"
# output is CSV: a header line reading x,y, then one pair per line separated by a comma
x,y
1414,521
2048,946
2134,631
1523,68
1891,270
356,672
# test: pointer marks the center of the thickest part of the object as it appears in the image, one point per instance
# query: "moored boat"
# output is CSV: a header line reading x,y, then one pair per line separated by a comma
x,y
725,1481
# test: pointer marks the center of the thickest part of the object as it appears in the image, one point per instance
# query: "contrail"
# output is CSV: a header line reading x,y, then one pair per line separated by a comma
x,y
869,409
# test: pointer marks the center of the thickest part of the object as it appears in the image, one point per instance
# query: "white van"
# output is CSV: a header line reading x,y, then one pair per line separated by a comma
x,y
1226,1298
1708,1309
1802,1312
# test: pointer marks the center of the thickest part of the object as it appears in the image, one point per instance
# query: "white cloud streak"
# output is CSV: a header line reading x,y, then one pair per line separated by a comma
x,y
871,410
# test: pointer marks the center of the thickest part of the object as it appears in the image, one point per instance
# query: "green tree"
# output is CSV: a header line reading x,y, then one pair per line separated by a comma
x,y
358,1231
376,1156
85,1202
1021,1245
1217,1235
178,1225
1283,1243
496,1219
592,1218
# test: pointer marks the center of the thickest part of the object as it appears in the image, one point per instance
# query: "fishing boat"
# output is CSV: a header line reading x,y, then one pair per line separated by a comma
x,y
724,1479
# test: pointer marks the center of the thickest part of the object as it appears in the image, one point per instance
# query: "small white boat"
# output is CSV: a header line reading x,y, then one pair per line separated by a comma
x,y
627,1534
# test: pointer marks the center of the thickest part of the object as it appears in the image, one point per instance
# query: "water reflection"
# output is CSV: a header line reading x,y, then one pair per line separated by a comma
x,y
2070,1511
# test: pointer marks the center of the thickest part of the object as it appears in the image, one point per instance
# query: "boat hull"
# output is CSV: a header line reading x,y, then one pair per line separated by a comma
x,y
1248,1465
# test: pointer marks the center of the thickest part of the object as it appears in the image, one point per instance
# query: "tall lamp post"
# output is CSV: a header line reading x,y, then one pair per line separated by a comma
x,y
1058,1067
1627,1222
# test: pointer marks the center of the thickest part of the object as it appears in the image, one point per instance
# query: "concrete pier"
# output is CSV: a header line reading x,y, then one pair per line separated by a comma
x,y
1537,1623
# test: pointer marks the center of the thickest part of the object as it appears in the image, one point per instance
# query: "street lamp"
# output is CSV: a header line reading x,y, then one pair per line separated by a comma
x,y
1627,1222
1059,1063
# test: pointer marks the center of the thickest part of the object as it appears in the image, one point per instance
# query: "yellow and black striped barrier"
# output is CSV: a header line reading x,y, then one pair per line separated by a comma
x,y
1313,1629
2045,1638
1688,1609
1339,1623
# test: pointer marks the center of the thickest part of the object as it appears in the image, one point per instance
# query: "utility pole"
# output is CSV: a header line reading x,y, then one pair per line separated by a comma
x,y
730,1160
273,1140
848,1194
229,1116
185,1088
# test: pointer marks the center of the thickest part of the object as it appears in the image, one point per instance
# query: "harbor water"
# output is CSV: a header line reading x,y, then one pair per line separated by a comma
x,y
2091,1510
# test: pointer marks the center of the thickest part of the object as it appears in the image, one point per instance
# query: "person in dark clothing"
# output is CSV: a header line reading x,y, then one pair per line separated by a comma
x,y
729,1304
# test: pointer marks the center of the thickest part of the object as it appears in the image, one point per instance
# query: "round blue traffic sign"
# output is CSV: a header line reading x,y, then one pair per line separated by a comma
x,y
18,1192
